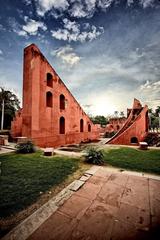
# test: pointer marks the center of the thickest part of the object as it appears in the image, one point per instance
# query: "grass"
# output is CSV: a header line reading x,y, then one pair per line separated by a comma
x,y
134,159
24,177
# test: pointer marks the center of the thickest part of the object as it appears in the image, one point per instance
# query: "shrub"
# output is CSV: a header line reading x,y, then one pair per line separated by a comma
x,y
152,139
109,134
26,147
94,156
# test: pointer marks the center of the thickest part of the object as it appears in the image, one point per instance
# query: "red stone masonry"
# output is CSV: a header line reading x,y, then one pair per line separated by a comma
x,y
50,116
135,128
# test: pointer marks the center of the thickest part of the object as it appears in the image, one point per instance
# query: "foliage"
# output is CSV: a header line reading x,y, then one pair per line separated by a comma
x,y
154,118
157,110
25,147
99,120
121,114
25,177
152,139
11,105
134,159
116,114
109,134
94,156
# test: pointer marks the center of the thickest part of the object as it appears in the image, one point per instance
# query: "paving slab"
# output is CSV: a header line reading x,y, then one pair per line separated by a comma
x,y
136,192
97,180
128,231
134,215
109,205
89,191
111,193
93,170
97,221
85,177
76,206
118,178
154,192
76,185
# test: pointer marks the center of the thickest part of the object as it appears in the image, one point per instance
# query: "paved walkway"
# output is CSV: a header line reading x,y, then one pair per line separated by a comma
x,y
110,205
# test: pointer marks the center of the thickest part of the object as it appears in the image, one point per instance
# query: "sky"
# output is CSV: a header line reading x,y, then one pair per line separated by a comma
x,y
107,52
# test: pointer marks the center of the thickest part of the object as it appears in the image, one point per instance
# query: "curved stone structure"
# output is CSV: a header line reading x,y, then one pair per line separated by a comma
x,y
135,128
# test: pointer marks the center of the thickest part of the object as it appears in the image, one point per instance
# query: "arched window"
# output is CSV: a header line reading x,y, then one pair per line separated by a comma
x,y
81,125
89,127
134,140
147,121
62,102
118,127
49,99
62,125
49,80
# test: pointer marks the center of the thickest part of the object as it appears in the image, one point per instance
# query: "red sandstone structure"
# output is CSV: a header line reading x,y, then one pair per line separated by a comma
x,y
115,124
50,115
135,128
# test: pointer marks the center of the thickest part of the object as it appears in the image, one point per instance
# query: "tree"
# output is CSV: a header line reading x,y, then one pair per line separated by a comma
x,y
155,123
121,114
116,114
99,120
9,104
157,111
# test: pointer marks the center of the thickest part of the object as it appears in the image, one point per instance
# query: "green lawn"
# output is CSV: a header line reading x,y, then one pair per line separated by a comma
x,y
23,177
134,159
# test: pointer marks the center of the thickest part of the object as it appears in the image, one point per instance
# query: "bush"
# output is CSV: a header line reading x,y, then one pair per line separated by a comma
x,y
109,134
94,156
26,147
152,139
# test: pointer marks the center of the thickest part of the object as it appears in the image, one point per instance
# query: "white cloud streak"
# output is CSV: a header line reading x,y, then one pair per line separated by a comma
x,y
82,8
44,6
147,3
32,27
67,55
72,31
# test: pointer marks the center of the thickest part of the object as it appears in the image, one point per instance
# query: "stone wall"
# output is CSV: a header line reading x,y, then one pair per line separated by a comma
x,y
51,116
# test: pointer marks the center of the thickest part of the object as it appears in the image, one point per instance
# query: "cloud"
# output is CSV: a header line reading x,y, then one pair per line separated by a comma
x,y
81,8
32,27
147,3
28,2
150,85
44,6
72,31
151,92
67,55
1,52
103,4
2,28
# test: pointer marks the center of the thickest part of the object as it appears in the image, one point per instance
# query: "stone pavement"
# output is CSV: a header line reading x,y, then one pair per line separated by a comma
x,y
105,203
110,205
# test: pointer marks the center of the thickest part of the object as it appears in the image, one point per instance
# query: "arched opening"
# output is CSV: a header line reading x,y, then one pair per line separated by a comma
x,y
147,122
134,140
49,99
62,125
118,127
81,125
49,80
62,102
89,127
